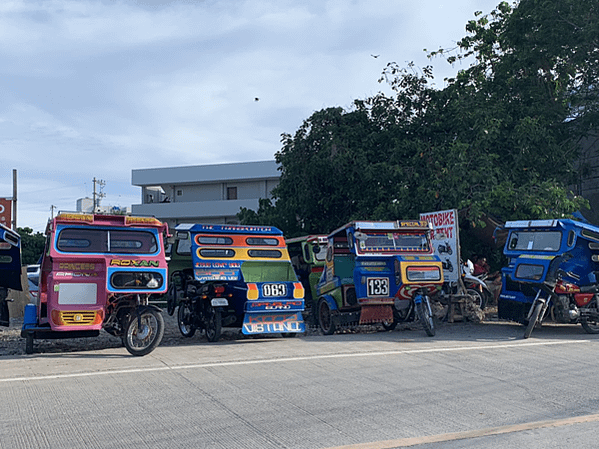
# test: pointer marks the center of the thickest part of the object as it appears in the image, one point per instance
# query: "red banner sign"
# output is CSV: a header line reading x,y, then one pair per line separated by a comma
x,y
6,212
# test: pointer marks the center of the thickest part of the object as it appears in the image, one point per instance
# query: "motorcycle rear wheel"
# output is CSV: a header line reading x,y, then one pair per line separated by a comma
x,y
533,319
185,320
590,327
141,340
213,325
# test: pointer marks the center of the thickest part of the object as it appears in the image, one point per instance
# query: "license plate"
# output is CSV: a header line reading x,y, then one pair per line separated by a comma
x,y
378,286
219,302
274,290
274,323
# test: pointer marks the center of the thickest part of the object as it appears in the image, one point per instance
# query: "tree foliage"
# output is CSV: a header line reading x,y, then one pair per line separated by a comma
x,y
32,245
501,137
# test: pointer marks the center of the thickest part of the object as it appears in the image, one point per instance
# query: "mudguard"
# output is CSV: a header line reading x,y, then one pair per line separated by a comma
x,y
331,301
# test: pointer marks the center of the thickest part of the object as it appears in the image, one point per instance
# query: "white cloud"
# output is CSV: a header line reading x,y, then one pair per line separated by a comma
x,y
98,88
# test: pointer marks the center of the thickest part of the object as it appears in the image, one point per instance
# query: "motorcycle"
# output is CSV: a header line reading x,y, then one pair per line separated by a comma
x,y
567,302
476,286
445,248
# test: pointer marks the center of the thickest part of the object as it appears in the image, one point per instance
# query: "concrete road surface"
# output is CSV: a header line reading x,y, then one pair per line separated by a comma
x,y
471,386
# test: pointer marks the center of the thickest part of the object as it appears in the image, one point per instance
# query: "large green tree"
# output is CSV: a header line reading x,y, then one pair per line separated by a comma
x,y
32,245
501,137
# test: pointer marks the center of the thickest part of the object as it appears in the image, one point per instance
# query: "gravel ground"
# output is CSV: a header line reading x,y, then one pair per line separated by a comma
x,y
11,342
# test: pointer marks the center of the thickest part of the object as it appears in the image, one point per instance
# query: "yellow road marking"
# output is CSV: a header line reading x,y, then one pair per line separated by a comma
x,y
415,441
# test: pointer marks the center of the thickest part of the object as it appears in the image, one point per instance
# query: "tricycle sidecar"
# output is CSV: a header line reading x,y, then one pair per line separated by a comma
x,y
554,263
308,257
237,276
10,269
378,272
98,272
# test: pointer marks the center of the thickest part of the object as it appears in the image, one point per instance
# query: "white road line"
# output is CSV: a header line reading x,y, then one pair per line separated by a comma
x,y
291,359
512,428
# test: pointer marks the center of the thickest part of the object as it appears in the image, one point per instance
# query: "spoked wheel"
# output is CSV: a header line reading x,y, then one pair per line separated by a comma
x,y
325,317
480,298
144,333
423,309
185,320
213,324
533,319
590,325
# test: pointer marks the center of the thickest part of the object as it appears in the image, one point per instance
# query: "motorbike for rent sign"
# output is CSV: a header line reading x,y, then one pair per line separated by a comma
x,y
6,212
446,242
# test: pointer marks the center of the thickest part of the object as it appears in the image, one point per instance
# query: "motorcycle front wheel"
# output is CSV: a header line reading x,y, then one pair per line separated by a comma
x,y
185,320
590,326
424,315
143,334
533,319
171,299
480,299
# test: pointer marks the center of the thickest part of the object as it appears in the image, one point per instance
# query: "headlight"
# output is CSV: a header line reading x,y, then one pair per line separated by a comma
x,y
142,280
532,272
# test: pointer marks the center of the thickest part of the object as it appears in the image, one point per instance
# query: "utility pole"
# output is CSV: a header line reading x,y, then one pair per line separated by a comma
x,y
14,199
98,195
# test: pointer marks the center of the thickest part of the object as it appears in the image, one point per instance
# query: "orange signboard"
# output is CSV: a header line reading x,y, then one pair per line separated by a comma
x,y
6,212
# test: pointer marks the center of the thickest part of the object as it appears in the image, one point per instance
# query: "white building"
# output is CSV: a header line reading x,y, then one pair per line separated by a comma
x,y
203,193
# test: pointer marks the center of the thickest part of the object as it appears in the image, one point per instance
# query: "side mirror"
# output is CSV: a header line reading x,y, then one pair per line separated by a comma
x,y
360,236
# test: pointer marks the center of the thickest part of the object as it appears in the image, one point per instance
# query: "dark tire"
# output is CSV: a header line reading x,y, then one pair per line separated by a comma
x,y
141,340
480,299
325,318
590,326
425,317
185,320
213,325
171,299
389,326
533,319
29,343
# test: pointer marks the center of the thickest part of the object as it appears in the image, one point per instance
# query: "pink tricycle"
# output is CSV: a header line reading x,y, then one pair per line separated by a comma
x,y
98,272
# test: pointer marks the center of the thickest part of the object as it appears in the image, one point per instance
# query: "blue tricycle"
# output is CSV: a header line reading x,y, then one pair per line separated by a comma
x,y
552,272
10,269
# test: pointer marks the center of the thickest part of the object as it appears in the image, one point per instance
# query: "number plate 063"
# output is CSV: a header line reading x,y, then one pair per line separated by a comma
x,y
270,290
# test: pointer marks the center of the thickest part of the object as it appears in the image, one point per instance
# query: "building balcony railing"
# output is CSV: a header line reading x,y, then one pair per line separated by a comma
x,y
198,209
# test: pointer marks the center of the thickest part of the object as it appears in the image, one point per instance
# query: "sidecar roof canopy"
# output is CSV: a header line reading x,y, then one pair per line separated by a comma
x,y
9,237
104,220
403,225
308,238
228,229
561,223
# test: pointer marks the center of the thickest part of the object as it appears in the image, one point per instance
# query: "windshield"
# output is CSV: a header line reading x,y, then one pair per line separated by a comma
x,y
268,272
392,242
535,241
320,251
76,240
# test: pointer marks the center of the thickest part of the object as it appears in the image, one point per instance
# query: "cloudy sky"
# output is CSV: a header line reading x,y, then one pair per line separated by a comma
x,y
96,88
